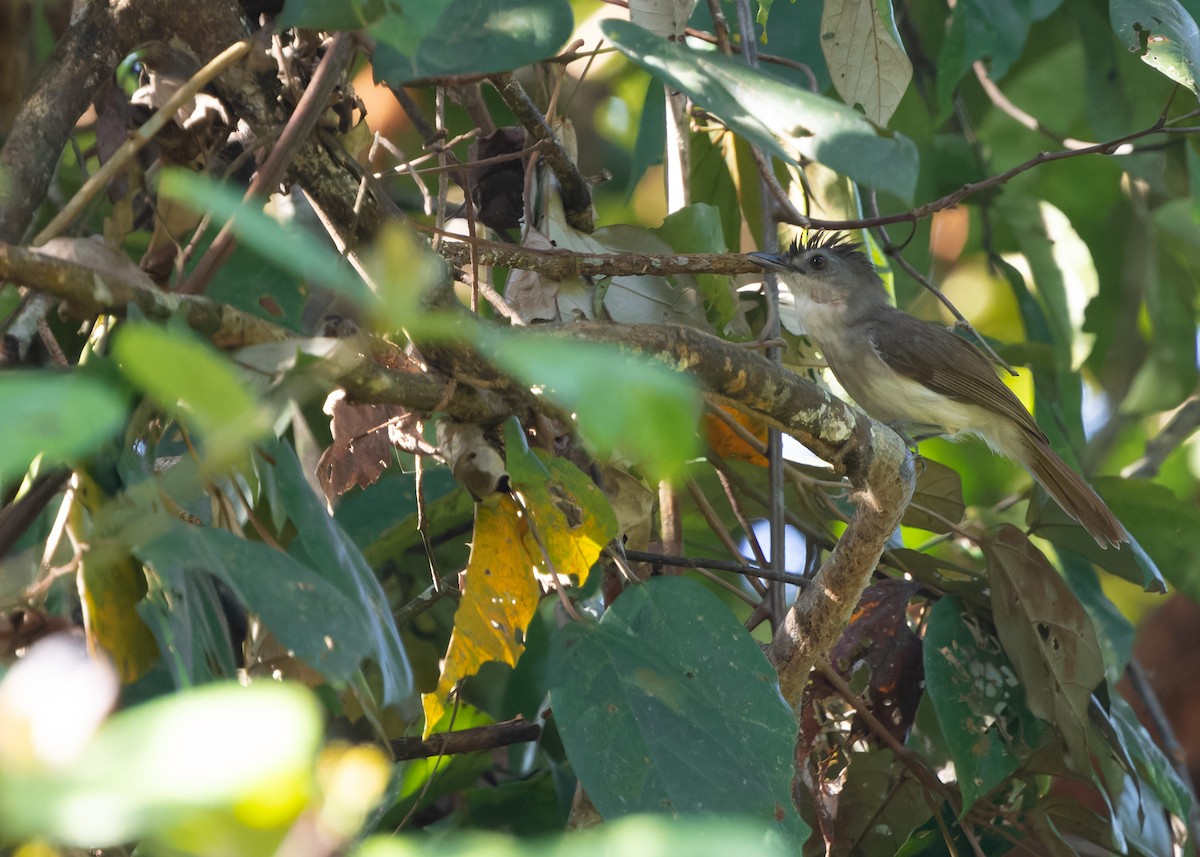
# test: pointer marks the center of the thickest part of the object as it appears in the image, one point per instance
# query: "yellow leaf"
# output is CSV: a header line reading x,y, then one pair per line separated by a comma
x,y
499,598
572,517
111,584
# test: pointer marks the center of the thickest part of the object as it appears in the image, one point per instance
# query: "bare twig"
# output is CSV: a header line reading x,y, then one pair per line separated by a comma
x,y
716,565
1181,426
473,740
1031,122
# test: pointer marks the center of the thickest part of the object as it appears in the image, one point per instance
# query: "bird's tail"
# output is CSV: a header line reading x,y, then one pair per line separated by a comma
x,y
1074,495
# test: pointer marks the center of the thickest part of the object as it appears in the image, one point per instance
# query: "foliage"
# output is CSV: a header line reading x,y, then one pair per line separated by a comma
x,y
258,455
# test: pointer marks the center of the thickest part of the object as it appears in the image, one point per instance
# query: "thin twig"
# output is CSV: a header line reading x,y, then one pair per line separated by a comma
x,y
473,740
715,565
998,98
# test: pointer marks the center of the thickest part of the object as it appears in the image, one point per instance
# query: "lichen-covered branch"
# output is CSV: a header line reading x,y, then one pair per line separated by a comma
x,y
561,264
87,292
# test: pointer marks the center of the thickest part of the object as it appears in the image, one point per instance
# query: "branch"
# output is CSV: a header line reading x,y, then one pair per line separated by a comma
x,y
576,194
517,731
1180,427
303,120
89,292
1116,146
563,264
872,456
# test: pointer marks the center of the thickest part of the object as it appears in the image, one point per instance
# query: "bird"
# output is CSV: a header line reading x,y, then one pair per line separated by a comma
x,y
918,376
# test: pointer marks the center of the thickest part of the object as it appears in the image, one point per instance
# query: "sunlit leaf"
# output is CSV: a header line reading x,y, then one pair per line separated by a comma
x,y
573,519
188,378
1047,635
437,38
220,769
790,122
979,702
284,247
671,678
499,597
1163,33
865,55
60,417
623,403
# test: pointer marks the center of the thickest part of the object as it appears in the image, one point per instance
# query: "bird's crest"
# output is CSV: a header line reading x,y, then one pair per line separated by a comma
x,y
835,242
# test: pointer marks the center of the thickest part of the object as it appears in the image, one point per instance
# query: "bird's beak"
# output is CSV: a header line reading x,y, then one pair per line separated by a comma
x,y
770,261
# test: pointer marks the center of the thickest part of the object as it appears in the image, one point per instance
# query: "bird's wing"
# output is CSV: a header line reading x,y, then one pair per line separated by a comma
x,y
947,364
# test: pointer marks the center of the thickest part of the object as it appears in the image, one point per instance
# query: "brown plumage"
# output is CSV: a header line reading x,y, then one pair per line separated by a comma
x,y
917,374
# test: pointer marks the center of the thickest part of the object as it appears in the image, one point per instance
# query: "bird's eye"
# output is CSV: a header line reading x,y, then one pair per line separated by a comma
x,y
818,261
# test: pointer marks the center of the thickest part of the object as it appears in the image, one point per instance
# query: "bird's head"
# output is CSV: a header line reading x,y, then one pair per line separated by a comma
x,y
827,268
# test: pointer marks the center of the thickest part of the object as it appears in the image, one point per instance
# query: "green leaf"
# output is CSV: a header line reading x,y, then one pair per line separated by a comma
x,y
697,229
329,14
1170,374
623,403
1151,763
937,503
307,614
780,117
865,56
668,705
1114,631
979,703
288,248
1163,33
330,552
57,416
189,378
438,38
1047,634
984,28
648,150
185,771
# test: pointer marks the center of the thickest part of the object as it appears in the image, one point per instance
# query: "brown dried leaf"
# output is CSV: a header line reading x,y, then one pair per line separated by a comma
x,y
879,637
361,450
1048,635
